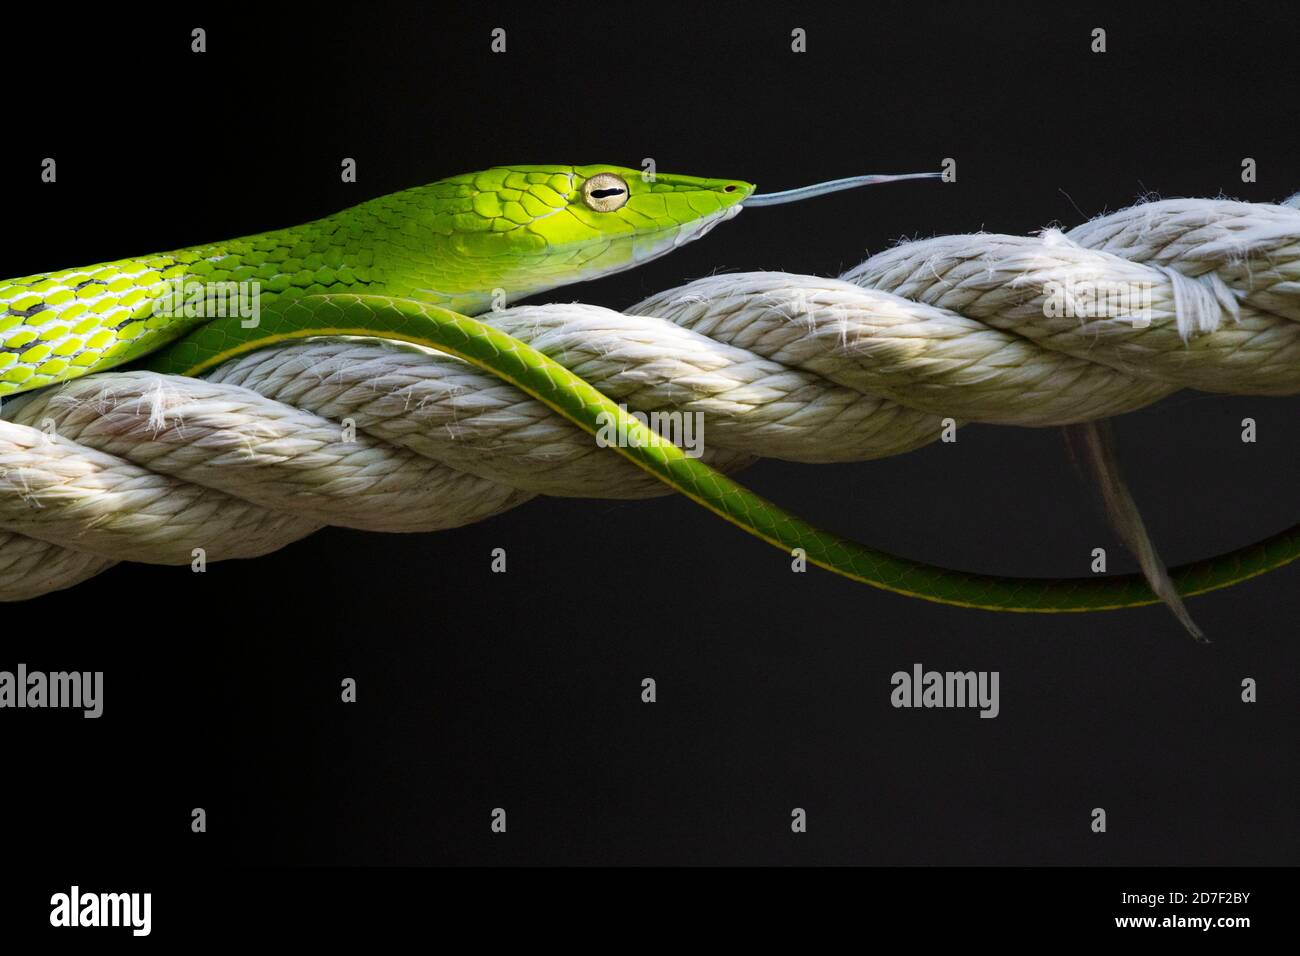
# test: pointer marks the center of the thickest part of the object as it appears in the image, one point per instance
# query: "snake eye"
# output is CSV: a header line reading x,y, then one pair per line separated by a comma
x,y
604,192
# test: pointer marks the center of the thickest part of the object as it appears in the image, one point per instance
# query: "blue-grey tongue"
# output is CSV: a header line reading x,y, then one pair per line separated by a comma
x,y
834,186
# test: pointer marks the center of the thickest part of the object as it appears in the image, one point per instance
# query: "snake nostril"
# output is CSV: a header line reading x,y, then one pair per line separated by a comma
x,y
728,189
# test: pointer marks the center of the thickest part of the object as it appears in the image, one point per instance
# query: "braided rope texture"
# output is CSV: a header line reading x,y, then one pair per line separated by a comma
x,y
1058,328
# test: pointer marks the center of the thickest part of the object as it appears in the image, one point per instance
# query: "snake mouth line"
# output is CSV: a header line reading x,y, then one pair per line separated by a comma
x,y
685,233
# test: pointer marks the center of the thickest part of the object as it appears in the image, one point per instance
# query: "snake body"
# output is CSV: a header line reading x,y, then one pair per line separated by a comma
x,y
415,265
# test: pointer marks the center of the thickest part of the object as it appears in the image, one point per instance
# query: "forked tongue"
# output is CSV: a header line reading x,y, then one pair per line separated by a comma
x,y
834,186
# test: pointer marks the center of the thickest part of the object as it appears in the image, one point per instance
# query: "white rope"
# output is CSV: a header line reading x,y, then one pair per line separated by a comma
x,y
977,328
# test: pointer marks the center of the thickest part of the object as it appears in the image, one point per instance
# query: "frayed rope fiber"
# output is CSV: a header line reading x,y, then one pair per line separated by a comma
x,y
1056,329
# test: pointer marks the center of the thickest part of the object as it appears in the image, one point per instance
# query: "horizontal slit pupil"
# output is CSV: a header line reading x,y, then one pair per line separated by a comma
x,y
605,193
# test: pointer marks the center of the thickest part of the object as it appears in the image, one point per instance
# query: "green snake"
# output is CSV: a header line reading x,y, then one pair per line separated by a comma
x,y
413,266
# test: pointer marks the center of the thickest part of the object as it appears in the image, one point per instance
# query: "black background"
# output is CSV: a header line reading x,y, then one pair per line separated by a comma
x,y
522,690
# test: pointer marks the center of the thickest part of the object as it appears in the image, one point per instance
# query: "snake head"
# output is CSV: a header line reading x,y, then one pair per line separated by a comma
x,y
469,241
640,215
525,229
